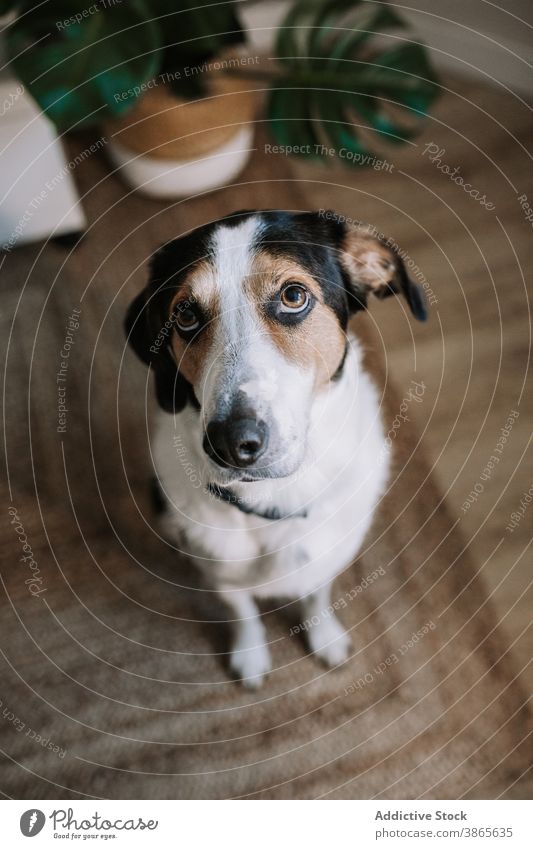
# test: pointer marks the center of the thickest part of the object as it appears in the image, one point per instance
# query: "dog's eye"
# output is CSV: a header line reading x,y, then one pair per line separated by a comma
x,y
294,298
186,319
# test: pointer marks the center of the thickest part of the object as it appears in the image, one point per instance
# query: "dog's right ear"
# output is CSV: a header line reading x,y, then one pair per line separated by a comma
x,y
136,327
171,389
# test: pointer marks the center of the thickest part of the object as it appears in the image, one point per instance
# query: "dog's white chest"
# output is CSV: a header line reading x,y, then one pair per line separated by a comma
x,y
339,487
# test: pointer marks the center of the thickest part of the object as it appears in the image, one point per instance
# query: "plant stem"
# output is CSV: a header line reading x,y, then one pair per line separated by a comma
x,y
333,81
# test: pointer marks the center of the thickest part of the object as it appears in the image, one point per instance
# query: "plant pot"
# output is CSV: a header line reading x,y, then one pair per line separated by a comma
x,y
169,147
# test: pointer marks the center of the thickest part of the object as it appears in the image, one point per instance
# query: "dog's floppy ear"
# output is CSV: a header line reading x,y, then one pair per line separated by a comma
x,y
136,328
374,266
171,388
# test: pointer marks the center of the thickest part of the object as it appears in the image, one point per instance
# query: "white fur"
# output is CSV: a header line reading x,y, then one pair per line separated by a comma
x,y
243,357
339,482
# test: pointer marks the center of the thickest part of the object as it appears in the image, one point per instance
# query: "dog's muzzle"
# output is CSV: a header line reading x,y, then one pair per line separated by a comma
x,y
236,442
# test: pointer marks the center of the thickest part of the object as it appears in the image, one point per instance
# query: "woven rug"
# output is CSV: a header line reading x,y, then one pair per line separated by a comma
x,y
114,665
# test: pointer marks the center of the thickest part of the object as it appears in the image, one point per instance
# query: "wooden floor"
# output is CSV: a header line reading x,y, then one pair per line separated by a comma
x,y
473,354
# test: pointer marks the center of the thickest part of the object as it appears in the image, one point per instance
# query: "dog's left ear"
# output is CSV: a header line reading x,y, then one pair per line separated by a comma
x,y
374,266
171,388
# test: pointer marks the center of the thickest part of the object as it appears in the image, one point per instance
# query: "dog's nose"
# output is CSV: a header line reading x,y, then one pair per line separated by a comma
x,y
235,442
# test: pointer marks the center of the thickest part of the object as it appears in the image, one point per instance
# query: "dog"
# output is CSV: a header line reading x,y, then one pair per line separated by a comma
x,y
269,446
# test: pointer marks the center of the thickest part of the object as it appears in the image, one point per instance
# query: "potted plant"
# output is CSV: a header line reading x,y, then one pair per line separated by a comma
x,y
177,92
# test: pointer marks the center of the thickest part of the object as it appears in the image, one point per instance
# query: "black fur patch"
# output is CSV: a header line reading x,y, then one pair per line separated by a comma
x,y
148,325
306,238
158,499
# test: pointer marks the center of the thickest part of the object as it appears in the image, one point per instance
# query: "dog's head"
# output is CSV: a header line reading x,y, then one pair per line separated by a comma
x,y
245,318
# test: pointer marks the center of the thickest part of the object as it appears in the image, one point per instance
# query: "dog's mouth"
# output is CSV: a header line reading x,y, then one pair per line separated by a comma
x,y
232,475
228,476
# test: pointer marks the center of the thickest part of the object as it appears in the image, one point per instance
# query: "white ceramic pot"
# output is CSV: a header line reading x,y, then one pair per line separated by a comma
x,y
171,178
170,147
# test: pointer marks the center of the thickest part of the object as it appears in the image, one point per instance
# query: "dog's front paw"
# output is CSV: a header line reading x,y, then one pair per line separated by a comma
x,y
250,665
329,641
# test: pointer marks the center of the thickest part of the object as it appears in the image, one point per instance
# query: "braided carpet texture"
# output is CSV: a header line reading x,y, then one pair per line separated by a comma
x,y
114,674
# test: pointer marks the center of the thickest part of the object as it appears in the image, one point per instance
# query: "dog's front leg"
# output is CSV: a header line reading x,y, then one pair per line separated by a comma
x,y
325,634
250,657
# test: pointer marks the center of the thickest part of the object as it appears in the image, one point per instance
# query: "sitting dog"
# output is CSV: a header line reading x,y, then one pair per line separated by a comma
x,y
270,453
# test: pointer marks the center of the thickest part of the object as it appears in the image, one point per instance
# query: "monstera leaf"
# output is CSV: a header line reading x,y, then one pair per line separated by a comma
x,y
83,62
78,69
333,76
197,27
191,35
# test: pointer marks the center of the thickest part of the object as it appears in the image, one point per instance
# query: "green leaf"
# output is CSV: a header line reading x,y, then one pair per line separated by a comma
x,y
191,37
290,121
332,66
339,131
195,32
81,69
368,20
8,6
286,44
372,110
409,66
321,25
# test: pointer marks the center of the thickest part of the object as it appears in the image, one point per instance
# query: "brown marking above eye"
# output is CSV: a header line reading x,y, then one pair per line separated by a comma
x,y
270,274
317,343
196,287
